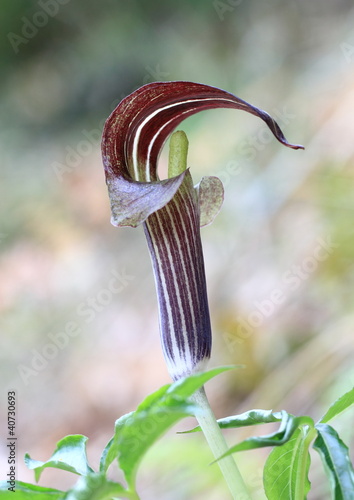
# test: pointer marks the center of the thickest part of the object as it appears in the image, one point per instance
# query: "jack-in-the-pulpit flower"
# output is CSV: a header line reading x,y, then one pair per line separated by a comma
x,y
171,210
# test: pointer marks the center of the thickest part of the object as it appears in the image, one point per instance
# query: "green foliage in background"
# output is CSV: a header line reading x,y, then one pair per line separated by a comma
x,y
285,472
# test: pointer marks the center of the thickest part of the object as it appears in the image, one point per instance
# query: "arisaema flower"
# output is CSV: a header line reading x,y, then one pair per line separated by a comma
x,y
171,210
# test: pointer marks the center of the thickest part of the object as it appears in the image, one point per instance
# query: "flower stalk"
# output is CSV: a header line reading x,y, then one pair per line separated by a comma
x,y
218,446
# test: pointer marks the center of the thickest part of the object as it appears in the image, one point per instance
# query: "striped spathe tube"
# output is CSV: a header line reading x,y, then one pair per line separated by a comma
x,y
171,210
173,236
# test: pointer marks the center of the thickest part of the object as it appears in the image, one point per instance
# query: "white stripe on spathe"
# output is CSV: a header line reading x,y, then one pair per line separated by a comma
x,y
187,352
180,361
191,295
154,113
151,145
157,249
187,279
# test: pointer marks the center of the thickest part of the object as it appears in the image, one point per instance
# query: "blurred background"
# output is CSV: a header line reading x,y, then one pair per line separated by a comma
x,y
79,349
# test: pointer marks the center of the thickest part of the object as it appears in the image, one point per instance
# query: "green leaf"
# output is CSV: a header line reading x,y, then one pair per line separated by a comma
x,y
25,491
286,469
69,455
288,425
96,487
252,417
136,432
339,406
186,386
335,457
110,452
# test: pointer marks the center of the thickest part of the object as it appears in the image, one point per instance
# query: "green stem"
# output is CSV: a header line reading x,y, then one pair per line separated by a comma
x,y
218,446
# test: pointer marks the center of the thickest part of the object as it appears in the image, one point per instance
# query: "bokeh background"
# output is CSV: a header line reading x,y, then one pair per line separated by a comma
x,y
279,257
